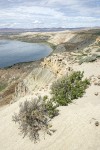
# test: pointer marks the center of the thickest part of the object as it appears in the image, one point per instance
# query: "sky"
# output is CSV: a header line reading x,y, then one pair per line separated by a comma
x,y
49,13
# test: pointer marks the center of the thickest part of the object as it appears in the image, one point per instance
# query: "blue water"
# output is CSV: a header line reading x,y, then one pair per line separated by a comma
x,y
12,52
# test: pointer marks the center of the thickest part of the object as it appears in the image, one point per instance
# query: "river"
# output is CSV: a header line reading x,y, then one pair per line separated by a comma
x,y
12,52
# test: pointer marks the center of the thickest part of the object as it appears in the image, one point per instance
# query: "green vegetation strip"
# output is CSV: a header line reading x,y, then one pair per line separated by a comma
x,y
68,88
2,86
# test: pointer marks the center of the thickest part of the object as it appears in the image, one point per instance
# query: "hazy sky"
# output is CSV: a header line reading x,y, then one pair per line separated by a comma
x,y
49,13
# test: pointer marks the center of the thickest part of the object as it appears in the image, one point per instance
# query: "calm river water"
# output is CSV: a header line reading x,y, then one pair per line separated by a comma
x,y
12,52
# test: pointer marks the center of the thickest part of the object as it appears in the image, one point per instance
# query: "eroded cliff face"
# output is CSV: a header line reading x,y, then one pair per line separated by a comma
x,y
40,78
98,39
57,63
11,77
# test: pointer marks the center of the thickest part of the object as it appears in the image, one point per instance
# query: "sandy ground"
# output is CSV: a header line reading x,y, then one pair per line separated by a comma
x,y
75,125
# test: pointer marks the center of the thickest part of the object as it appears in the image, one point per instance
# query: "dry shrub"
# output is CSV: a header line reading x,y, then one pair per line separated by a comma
x,y
34,117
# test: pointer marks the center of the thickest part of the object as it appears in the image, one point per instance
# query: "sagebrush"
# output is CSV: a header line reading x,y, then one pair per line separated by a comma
x,y
34,116
67,88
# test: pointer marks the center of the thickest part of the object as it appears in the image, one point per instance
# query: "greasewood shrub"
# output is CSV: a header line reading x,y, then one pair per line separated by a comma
x,y
51,108
34,116
67,88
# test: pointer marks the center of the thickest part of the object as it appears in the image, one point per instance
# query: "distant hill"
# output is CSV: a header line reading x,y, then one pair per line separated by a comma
x,y
2,30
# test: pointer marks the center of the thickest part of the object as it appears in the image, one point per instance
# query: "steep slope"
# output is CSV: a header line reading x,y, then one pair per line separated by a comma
x,y
75,126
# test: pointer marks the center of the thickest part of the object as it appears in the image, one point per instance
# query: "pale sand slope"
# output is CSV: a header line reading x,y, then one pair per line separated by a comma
x,y
75,125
